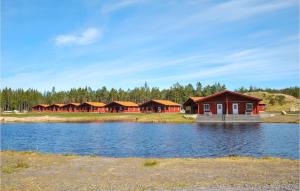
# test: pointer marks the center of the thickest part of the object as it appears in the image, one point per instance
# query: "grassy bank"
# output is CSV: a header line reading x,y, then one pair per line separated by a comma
x,y
277,102
85,117
278,118
131,117
36,171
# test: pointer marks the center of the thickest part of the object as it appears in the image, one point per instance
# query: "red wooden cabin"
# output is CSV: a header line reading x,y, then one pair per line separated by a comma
x,y
262,107
228,102
98,107
71,107
160,106
39,108
191,105
123,106
57,107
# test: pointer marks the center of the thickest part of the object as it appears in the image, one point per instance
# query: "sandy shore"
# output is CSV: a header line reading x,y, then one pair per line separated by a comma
x,y
40,119
35,171
94,117
153,118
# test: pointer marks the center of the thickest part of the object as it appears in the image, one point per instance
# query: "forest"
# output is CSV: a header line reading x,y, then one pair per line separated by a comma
x,y
20,99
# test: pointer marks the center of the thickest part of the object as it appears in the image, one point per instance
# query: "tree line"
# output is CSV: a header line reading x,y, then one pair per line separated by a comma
x,y
20,99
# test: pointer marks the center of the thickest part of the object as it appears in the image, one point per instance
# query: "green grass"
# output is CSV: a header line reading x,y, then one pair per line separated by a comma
x,y
135,117
149,163
14,166
277,102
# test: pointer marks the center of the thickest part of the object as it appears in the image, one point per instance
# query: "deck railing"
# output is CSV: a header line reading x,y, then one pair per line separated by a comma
x,y
228,118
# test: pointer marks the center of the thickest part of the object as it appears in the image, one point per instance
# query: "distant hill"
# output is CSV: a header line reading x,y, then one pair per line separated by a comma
x,y
277,101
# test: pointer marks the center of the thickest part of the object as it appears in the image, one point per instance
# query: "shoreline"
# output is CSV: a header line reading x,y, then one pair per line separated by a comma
x,y
231,157
40,171
81,120
140,118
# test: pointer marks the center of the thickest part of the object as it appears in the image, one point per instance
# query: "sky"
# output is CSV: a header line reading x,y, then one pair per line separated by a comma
x,y
125,43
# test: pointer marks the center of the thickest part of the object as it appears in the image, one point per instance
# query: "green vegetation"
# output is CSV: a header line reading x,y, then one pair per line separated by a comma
x,y
24,99
14,166
277,102
130,117
21,99
292,91
278,118
87,117
150,162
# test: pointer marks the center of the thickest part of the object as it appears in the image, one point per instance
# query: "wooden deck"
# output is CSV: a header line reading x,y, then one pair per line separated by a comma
x,y
228,118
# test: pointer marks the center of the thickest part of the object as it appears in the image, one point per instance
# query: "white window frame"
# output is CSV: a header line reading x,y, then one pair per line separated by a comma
x,y
247,107
206,109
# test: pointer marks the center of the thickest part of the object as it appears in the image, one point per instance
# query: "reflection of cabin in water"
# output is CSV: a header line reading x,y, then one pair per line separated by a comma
x,y
39,108
71,107
92,107
57,107
191,105
160,106
123,106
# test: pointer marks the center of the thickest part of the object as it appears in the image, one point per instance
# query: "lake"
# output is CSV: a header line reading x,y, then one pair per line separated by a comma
x,y
121,139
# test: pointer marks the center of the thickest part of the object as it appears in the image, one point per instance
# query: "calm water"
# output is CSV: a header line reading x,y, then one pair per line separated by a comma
x,y
154,140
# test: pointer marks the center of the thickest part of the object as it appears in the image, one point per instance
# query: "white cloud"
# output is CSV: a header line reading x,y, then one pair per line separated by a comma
x,y
88,36
233,10
119,5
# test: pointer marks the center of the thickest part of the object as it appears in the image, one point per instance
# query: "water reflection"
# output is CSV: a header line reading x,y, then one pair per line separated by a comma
x,y
232,139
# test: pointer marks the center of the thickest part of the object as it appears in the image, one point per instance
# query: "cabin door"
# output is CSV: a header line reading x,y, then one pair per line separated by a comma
x,y
235,108
219,108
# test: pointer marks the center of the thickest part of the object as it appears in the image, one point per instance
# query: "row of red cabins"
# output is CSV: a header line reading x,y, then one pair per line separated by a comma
x,y
226,102
153,106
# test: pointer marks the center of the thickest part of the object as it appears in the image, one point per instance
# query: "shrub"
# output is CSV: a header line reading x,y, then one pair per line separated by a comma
x,y
150,163
272,101
280,99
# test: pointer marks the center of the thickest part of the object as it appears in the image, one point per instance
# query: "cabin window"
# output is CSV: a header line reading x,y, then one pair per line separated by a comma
x,y
249,106
158,109
206,107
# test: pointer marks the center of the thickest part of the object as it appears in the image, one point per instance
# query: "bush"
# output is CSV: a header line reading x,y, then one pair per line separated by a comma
x,y
272,101
280,99
150,163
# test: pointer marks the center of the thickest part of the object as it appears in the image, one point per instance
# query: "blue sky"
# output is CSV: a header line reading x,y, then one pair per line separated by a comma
x,y
122,44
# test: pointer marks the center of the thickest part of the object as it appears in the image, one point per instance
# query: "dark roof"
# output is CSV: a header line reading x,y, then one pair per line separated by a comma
x,y
230,92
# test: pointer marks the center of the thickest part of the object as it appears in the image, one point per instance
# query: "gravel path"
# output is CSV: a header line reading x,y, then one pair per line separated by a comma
x,y
34,171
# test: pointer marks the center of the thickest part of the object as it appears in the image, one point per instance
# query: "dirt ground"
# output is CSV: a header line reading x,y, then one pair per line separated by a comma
x,y
36,171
